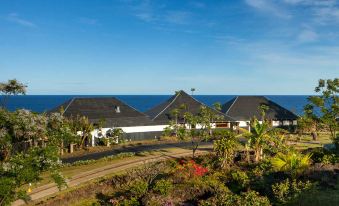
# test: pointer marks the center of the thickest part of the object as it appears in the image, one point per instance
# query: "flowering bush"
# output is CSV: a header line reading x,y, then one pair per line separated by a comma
x,y
190,169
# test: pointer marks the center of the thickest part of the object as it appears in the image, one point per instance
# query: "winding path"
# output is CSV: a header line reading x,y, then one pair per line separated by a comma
x,y
51,188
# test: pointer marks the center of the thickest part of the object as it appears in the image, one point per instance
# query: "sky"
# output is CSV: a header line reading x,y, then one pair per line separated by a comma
x,y
230,47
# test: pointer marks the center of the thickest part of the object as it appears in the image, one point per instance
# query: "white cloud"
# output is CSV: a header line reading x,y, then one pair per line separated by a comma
x,y
148,17
307,36
312,2
15,18
198,4
89,21
326,15
269,7
177,17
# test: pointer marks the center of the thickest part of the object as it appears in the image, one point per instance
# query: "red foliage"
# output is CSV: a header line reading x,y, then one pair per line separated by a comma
x,y
191,169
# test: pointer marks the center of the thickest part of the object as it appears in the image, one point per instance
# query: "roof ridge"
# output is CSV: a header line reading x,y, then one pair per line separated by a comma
x,y
208,106
69,104
231,105
167,105
268,99
129,106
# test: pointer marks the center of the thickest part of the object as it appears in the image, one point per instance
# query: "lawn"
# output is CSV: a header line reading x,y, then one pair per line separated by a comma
x,y
319,197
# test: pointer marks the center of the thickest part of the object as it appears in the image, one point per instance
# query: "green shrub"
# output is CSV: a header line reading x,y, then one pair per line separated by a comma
x,y
329,159
239,180
129,202
215,183
253,198
163,186
139,188
288,190
250,198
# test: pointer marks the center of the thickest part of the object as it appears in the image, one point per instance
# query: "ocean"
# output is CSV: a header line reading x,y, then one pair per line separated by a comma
x,y
42,103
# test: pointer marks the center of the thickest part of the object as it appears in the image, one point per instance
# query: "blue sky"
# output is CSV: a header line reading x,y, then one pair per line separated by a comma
x,y
157,47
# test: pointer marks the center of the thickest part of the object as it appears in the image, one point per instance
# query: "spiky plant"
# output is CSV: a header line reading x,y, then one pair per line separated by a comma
x,y
292,163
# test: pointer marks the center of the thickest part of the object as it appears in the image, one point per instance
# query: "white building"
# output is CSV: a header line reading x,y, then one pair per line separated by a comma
x,y
113,113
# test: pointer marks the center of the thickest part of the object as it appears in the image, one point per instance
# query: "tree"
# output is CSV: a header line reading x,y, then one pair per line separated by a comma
x,y
225,147
175,113
199,127
217,106
307,124
21,161
82,126
258,137
325,107
59,131
117,135
260,133
192,90
24,168
12,87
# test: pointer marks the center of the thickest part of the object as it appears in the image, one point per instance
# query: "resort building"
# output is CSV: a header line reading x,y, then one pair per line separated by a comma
x,y
114,114
162,113
111,113
244,108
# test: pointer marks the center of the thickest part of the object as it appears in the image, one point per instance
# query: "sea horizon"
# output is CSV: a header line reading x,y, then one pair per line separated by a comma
x,y
44,103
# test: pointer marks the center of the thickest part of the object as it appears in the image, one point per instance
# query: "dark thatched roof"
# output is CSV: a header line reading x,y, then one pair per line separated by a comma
x,y
243,108
162,112
104,108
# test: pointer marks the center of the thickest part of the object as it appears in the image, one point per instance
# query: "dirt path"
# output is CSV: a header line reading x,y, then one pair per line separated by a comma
x,y
134,148
51,189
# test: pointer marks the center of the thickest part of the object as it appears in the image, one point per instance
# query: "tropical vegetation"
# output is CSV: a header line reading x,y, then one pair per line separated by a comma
x,y
259,166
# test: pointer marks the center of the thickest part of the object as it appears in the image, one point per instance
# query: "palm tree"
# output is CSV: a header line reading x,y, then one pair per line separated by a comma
x,y
192,90
292,162
175,113
258,137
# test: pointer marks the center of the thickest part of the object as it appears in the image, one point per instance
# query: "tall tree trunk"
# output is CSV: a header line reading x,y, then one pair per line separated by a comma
x,y
257,154
62,148
176,127
261,153
248,158
194,148
314,136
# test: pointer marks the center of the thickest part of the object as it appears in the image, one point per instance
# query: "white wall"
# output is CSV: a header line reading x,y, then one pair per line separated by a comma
x,y
153,128
243,123
286,122
275,123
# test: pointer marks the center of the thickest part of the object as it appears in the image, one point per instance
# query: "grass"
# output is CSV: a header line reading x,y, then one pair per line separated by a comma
x,y
86,202
319,197
306,141
96,149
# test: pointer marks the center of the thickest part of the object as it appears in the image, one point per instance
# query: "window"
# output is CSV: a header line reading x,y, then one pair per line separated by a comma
x,y
222,125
